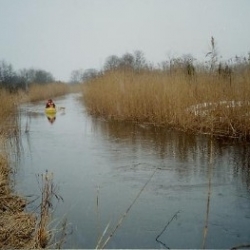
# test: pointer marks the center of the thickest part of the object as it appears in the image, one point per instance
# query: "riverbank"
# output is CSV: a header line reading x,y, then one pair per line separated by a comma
x,y
20,228
17,226
205,103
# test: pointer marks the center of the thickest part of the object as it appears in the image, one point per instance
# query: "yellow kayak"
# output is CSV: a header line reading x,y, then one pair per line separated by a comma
x,y
51,117
50,110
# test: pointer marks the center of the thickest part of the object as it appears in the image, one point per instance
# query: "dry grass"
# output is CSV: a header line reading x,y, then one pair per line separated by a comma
x,y
39,92
174,100
43,234
75,88
6,101
18,228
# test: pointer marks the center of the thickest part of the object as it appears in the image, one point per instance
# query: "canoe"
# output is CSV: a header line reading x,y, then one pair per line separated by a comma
x,y
50,110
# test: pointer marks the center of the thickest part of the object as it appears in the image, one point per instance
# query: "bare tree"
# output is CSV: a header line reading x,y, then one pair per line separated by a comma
x,y
127,61
139,60
89,74
76,76
112,62
42,76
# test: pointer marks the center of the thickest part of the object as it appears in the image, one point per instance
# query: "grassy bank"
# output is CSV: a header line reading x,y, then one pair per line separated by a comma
x,y
19,228
204,102
38,92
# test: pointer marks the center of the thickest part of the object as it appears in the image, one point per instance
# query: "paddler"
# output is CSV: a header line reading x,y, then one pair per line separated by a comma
x,y
50,104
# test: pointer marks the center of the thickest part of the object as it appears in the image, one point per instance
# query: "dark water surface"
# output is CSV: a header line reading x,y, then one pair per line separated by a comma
x,y
166,173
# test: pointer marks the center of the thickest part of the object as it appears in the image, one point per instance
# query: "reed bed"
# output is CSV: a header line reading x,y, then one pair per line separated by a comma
x,y
75,87
44,235
8,110
38,92
19,228
205,103
16,226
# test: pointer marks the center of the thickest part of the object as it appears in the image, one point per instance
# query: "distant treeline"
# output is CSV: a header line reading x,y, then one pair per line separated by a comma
x,y
135,62
12,80
186,64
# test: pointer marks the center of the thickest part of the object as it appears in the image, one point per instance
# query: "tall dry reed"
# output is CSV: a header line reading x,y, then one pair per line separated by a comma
x,y
75,87
205,103
39,92
44,235
17,226
19,229
8,104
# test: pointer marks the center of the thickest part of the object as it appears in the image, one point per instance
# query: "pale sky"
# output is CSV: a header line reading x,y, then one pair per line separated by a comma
x,y
60,36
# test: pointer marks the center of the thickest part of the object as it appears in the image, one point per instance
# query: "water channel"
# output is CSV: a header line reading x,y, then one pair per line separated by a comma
x,y
158,182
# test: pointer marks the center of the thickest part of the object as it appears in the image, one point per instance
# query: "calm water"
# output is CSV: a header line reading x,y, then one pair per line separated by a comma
x,y
166,172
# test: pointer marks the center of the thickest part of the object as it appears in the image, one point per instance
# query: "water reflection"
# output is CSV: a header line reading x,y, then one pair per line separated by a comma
x,y
51,118
240,158
191,150
163,141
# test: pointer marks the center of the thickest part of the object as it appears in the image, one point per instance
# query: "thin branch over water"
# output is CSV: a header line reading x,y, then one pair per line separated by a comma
x,y
164,229
99,246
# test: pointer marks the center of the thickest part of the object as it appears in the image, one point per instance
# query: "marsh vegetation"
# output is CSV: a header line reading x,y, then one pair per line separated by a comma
x,y
204,104
21,228
17,226
211,98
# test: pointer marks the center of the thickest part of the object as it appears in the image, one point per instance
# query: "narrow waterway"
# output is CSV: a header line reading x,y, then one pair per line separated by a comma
x,y
102,168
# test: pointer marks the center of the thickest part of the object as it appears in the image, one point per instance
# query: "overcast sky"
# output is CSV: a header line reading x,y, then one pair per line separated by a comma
x,y
60,36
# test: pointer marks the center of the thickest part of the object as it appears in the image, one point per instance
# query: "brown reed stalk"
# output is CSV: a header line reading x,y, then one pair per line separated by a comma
x,y
42,233
103,245
38,92
48,192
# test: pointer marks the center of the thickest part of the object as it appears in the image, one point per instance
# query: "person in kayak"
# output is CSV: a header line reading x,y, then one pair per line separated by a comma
x,y
50,104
